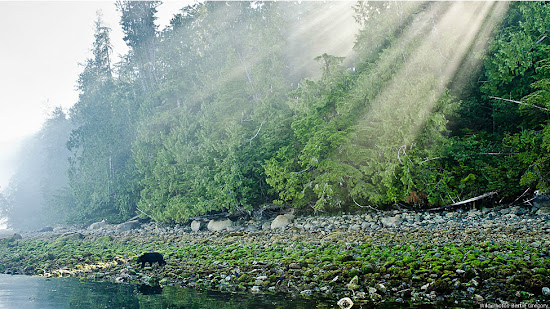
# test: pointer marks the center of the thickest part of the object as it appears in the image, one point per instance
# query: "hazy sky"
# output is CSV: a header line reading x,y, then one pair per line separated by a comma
x,y
42,44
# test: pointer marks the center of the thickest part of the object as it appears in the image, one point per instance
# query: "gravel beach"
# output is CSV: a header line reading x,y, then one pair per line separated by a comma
x,y
473,257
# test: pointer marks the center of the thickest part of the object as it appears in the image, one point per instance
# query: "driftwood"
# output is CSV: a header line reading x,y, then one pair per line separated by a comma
x,y
470,200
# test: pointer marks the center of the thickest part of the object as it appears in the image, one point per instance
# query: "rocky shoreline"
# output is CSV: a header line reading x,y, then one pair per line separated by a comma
x,y
489,256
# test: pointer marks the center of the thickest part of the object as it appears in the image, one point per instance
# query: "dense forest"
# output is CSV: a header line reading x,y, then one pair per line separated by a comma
x,y
227,109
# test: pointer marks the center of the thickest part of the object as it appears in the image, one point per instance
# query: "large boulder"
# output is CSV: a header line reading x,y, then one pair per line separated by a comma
x,y
545,210
219,225
128,226
391,221
97,225
281,221
196,225
16,237
542,202
60,229
75,236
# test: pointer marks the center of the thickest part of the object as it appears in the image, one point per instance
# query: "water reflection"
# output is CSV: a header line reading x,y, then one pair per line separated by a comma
x,y
149,290
36,292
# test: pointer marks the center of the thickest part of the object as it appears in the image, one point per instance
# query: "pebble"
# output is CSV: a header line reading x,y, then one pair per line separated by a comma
x,y
494,226
380,287
345,303
306,293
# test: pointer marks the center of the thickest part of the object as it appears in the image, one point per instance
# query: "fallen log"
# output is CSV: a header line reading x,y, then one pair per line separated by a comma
x,y
470,200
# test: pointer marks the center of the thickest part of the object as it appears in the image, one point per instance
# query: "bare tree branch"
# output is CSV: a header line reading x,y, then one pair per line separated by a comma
x,y
473,199
521,103
253,137
368,206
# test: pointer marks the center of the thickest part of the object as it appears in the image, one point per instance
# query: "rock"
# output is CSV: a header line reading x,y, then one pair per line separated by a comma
x,y
281,221
252,228
380,287
306,293
345,303
535,244
255,289
510,216
541,200
505,211
376,297
543,211
128,226
122,278
45,229
196,225
218,226
71,236
391,221
14,237
372,290
478,298
266,225
59,229
450,215
293,266
546,291
353,284
97,225
460,271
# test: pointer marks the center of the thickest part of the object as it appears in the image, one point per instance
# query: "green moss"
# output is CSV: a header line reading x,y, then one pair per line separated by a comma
x,y
104,239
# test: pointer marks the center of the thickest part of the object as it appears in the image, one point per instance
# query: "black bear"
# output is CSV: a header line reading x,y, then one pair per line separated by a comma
x,y
151,258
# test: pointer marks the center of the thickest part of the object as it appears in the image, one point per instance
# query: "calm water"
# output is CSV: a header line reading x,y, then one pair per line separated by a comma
x,y
37,292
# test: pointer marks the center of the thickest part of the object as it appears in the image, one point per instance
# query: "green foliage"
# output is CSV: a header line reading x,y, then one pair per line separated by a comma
x,y
202,149
517,68
510,67
101,172
205,116
532,145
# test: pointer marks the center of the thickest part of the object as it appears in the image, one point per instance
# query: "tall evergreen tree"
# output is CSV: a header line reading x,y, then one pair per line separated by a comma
x,y
101,166
140,34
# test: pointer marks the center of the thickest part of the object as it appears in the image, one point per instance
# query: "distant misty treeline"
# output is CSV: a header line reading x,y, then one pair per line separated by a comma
x,y
239,104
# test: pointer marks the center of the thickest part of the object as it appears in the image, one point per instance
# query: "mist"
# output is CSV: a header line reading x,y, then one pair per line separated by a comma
x,y
40,166
236,105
